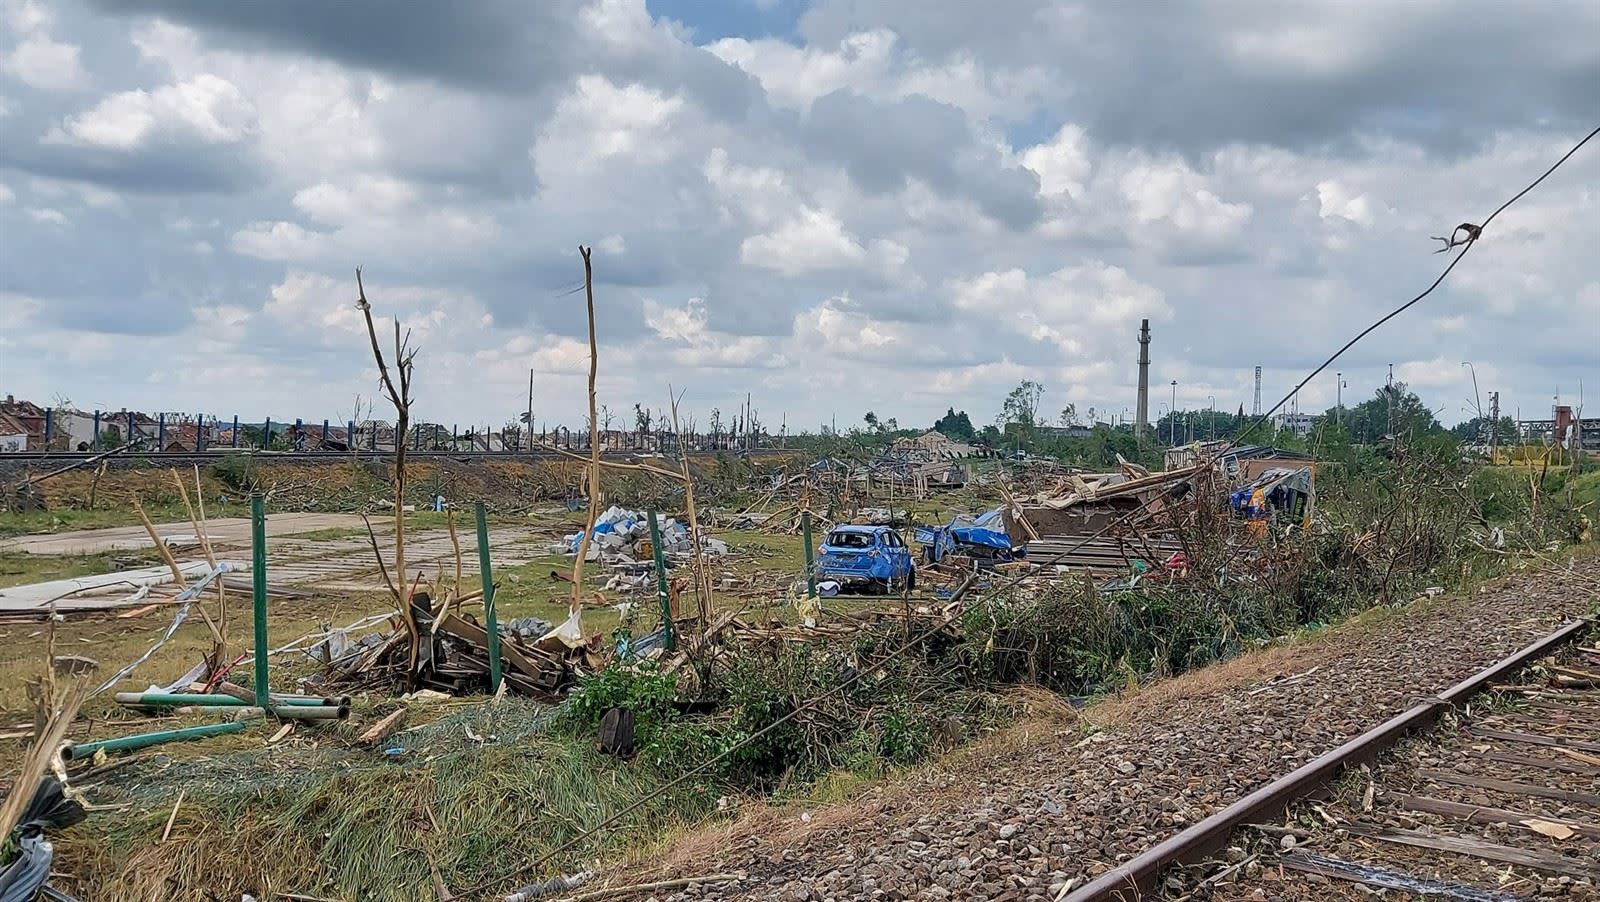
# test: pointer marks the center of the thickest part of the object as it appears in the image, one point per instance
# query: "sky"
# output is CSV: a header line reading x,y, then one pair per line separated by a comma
x,y
837,206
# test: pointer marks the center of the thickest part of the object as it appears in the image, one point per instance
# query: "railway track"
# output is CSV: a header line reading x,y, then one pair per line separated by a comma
x,y
62,458
1497,799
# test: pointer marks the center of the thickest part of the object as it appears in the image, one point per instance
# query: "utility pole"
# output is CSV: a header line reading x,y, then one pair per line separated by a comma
x,y
1389,391
1338,394
1256,411
1494,425
528,426
1141,422
1174,429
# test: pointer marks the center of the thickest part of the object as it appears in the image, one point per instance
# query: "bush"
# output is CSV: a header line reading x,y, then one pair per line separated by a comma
x,y
236,471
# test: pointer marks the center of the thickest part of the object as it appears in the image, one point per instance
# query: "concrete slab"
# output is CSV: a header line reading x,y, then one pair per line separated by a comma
x,y
226,531
97,592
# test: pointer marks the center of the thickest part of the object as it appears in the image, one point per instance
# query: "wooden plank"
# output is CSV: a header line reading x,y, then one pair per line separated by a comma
x,y
1587,676
1476,847
1560,742
461,628
1564,765
381,730
1545,724
1573,709
1479,814
1510,787
1368,875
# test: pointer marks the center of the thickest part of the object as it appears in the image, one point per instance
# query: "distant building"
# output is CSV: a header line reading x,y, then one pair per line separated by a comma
x,y
13,435
1298,423
29,416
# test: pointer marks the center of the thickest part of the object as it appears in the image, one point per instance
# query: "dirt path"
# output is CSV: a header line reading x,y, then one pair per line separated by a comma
x,y
1044,808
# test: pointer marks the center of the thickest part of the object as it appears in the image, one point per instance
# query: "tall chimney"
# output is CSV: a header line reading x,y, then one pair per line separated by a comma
x,y
1141,422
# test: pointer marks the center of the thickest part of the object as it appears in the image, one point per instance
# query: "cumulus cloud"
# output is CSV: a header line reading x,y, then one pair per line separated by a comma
x,y
206,109
50,65
923,204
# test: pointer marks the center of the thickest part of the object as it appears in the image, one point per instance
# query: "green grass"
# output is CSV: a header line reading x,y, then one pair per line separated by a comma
x,y
1586,492
326,818
332,533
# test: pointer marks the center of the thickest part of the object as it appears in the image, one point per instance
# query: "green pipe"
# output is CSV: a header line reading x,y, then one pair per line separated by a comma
x,y
811,557
297,712
669,633
84,750
486,576
170,699
258,572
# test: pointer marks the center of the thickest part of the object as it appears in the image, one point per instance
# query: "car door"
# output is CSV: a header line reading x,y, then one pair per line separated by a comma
x,y
897,554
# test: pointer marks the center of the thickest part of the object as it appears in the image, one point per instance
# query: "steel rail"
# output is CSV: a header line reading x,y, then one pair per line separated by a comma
x,y
214,454
1140,877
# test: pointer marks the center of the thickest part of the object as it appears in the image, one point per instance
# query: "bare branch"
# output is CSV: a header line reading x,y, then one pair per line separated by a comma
x,y
594,438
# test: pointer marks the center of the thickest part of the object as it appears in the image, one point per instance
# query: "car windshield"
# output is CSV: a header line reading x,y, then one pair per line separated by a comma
x,y
850,540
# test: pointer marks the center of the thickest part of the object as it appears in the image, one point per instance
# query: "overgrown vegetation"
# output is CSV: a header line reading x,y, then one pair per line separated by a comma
x,y
465,800
902,712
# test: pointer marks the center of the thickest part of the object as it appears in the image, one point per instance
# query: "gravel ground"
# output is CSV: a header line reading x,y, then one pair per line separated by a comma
x,y
1041,809
1473,760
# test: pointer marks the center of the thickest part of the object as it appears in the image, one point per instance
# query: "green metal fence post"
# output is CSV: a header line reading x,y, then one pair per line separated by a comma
x,y
486,576
811,571
258,572
665,596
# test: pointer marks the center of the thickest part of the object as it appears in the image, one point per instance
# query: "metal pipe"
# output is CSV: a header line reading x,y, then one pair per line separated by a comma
x,y
1140,876
258,572
663,594
291,712
82,750
486,576
249,698
170,699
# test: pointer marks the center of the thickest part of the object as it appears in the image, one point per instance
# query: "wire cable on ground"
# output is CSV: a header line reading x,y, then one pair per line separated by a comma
x,y
995,590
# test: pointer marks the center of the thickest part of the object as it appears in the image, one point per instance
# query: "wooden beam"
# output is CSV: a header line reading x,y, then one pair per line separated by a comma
x,y
1479,814
1476,847
1556,764
1506,786
381,730
1559,742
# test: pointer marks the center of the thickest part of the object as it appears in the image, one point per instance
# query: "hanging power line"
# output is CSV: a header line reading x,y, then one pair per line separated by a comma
x,y
993,592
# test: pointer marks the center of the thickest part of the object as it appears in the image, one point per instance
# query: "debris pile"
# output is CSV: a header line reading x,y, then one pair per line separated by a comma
x,y
622,538
537,659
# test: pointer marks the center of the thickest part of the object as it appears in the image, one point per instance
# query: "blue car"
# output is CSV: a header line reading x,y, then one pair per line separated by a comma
x,y
873,558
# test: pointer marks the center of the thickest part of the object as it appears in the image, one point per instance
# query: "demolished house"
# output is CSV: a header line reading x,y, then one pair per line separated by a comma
x,y
1108,522
930,461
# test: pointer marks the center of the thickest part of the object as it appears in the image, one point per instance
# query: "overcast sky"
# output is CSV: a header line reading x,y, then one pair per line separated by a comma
x,y
896,205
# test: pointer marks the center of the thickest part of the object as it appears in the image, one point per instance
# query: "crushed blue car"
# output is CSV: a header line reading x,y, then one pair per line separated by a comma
x,y
870,558
983,538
